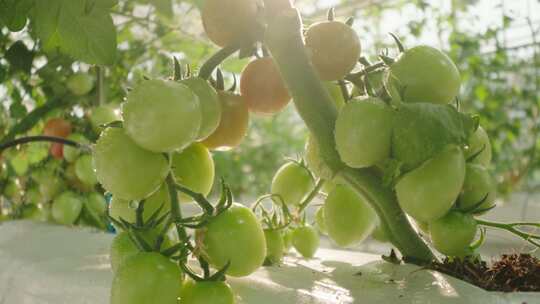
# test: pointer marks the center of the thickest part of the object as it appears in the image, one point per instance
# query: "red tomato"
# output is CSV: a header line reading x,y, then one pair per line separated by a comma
x,y
262,87
57,150
57,127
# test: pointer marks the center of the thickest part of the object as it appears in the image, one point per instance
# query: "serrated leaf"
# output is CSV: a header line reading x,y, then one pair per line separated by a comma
x,y
13,13
422,129
80,28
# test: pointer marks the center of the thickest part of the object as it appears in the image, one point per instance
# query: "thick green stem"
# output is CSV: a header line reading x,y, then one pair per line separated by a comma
x,y
284,40
210,65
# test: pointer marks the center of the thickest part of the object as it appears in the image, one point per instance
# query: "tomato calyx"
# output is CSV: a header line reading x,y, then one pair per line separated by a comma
x,y
474,208
278,217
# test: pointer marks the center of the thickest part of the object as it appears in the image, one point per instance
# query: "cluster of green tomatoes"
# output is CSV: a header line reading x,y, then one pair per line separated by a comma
x,y
56,182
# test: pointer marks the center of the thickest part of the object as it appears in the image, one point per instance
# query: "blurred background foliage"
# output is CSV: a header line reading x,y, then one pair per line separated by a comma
x,y
494,43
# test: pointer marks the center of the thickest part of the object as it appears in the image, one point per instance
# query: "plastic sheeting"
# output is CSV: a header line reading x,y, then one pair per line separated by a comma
x,y
45,264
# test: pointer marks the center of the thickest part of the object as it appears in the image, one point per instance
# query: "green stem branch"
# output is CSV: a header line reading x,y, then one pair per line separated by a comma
x,y
510,227
210,65
40,138
315,106
311,196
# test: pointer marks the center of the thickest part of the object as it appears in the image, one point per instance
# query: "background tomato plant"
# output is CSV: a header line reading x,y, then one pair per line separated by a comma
x,y
140,37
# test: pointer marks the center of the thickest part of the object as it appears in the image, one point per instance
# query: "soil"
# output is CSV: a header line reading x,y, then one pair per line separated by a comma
x,y
509,273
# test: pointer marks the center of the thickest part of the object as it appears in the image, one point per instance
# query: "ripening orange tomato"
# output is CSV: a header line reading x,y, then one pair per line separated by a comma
x,y
263,88
233,125
228,21
334,49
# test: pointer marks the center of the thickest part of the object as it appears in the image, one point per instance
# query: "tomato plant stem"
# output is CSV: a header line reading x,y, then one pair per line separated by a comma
x,y
315,106
176,212
310,196
210,65
511,227
42,138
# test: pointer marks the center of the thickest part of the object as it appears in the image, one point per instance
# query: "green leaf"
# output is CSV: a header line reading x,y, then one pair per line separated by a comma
x,y
13,13
80,28
163,7
19,57
422,130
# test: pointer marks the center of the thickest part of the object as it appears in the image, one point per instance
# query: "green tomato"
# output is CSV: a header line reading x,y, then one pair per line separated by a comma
x,y
210,105
125,169
320,219
305,240
120,208
35,212
425,74
71,153
287,239
13,190
162,116
103,115
96,202
194,169
51,187
292,182
84,170
314,160
19,163
477,186
123,247
206,292
363,132
245,247
146,277
274,245
348,217
479,141
453,233
80,83
67,207
429,191
33,196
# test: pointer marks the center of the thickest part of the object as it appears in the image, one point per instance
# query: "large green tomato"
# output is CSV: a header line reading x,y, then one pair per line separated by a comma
x,y
103,115
67,207
479,141
146,277
162,116
210,105
320,220
274,245
292,182
120,208
125,169
80,83
33,196
453,233
348,217
429,191
363,132
122,246
71,153
236,236
425,74
233,125
206,292
305,240
194,169
478,185
84,170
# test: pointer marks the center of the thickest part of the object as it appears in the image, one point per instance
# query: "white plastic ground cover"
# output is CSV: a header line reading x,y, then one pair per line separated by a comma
x,y
45,264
